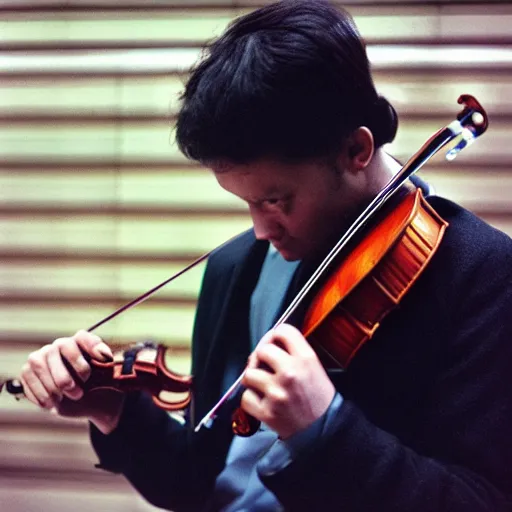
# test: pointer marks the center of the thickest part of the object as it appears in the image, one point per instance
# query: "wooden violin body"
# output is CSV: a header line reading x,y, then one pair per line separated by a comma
x,y
372,280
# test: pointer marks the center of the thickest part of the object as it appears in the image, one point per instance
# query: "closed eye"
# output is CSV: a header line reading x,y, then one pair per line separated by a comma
x,y
271,203
283,203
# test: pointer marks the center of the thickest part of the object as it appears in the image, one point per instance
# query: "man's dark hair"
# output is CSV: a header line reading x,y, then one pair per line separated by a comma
x,y
289,81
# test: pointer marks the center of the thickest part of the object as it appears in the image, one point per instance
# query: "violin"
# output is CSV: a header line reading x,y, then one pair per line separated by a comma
x,y
358,288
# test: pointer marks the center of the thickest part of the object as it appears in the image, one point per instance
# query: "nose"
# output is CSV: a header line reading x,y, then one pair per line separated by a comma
x,y
266,227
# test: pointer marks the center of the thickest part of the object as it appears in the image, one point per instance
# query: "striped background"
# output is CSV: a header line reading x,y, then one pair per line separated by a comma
x,y
97,204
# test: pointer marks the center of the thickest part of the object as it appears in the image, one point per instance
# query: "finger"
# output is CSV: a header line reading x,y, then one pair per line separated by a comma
x,y
252,404
252,361
291,340
267,338
68,351
34,387
63,379
93,345
41,373
30,390
258,380
272,357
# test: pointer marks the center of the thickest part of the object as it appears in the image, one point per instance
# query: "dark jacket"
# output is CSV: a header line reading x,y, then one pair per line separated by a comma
x,y
426,421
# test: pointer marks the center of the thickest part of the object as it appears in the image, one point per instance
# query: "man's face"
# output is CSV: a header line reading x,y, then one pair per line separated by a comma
x,y
301,209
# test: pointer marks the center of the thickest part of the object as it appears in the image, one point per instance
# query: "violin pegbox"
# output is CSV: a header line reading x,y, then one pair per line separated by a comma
x,y
471,122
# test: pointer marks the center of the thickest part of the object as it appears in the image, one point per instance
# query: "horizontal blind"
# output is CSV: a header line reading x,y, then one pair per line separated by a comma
x,y
98,205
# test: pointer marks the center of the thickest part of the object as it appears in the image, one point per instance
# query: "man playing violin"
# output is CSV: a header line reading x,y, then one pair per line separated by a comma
x,y
284,111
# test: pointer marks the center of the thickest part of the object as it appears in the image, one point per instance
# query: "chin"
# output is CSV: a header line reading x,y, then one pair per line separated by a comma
x,y
287,254
290,257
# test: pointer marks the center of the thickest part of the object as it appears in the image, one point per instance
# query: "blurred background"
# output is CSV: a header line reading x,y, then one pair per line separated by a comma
x,y
97,204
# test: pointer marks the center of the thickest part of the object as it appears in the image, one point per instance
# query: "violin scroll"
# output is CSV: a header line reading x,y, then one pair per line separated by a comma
x,y
471,122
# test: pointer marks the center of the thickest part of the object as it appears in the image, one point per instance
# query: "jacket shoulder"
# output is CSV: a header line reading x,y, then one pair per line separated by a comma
x,y
233,251
470,241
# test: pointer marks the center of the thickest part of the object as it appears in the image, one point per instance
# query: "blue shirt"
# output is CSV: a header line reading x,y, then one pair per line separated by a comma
x,y
238,487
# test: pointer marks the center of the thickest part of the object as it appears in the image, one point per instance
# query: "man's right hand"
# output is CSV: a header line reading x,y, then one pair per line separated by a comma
x,y
48,383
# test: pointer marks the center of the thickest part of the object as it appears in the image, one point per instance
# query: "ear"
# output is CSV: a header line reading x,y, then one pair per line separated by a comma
x,y
360,149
